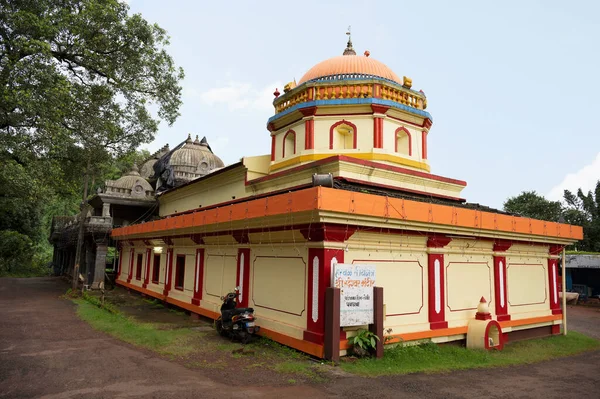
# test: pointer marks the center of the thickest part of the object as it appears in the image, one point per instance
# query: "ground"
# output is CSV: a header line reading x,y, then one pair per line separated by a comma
x,y
47,351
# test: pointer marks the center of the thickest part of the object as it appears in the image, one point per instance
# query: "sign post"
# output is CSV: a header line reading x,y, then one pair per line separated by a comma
x,y
356,284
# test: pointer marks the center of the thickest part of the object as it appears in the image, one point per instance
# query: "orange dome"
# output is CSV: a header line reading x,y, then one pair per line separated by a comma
x,y
350,65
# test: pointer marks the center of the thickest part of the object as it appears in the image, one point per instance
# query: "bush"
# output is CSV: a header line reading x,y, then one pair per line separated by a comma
x,y
363,343
19,257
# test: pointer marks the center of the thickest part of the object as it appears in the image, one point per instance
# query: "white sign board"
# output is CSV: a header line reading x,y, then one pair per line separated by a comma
x,y
356,284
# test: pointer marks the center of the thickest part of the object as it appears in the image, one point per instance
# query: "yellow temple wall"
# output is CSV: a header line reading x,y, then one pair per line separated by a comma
x,y
278,281
277,289
401,263
469,274
221,188
527,281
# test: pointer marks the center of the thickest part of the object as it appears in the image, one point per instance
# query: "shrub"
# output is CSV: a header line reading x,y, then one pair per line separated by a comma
x,y
363,343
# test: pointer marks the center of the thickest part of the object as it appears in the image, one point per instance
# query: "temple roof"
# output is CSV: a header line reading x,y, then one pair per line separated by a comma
x,y
354,65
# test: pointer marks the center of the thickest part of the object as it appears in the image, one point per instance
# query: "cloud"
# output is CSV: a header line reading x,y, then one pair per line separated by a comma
x,y
240,95
585,178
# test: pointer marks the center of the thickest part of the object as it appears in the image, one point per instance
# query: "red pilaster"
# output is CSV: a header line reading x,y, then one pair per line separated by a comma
x,y
377,132
243,276
309,134
436,284
198,276
168,271
131,256
553,284
272,148
120,260
500,290
147,274
424,143
320,266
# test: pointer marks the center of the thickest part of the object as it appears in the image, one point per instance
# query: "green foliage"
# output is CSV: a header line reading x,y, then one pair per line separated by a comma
x,y
365,340
98,303
430,357
532,205
580,209
144,335
78,80
74,68
584,210
18,256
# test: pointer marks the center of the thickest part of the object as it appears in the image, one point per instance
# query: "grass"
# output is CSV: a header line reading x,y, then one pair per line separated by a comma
x,y
145,335
434,358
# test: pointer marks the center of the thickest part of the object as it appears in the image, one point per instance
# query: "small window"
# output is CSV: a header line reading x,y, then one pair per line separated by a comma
x,y
289,144
342,136
138,269
156,269
403,142
179,272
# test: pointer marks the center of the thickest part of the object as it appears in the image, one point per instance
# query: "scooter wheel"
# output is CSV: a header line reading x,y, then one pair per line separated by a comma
x,y
219,327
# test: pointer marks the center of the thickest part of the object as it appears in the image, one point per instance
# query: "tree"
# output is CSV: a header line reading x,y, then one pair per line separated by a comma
x,y
77,80
532,205
584,210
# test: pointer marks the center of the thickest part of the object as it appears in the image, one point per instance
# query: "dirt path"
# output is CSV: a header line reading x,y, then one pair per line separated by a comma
x,y
47,352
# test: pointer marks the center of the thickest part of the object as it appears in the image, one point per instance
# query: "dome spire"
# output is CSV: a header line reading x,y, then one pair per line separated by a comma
x,y
349,49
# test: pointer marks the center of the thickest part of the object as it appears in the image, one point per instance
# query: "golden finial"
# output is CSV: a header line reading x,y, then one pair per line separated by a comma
x,y
349,50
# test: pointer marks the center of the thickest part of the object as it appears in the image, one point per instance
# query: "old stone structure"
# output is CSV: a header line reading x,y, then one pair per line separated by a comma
x,y
129,199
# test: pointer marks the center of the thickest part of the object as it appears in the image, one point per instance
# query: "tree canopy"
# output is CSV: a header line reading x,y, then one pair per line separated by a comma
x,y
531,204
578,209
82,73
82,84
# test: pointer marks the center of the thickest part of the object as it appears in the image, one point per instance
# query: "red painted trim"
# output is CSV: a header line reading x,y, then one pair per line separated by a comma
x,y
424,143
437,315
379,109
309,134
396,188
486,336
502,246
424,124
131,255
500,290
272,148
438,241
284,139
343,122
377,132
198,276
555,329
120,262
168,272
344,158
244,281
327,232
309,111
403,129
147,274
553,285
315,330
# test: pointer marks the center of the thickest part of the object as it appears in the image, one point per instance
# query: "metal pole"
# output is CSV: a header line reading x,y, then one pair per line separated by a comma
x,y
564,294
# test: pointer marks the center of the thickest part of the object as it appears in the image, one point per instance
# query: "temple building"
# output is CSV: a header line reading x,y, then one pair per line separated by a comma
x,y
347,181
129,199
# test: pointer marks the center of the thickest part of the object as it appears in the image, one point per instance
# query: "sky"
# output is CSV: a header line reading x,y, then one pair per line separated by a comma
x,y
512,86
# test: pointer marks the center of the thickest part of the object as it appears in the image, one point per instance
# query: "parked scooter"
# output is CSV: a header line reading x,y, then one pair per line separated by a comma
x,y
236,323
